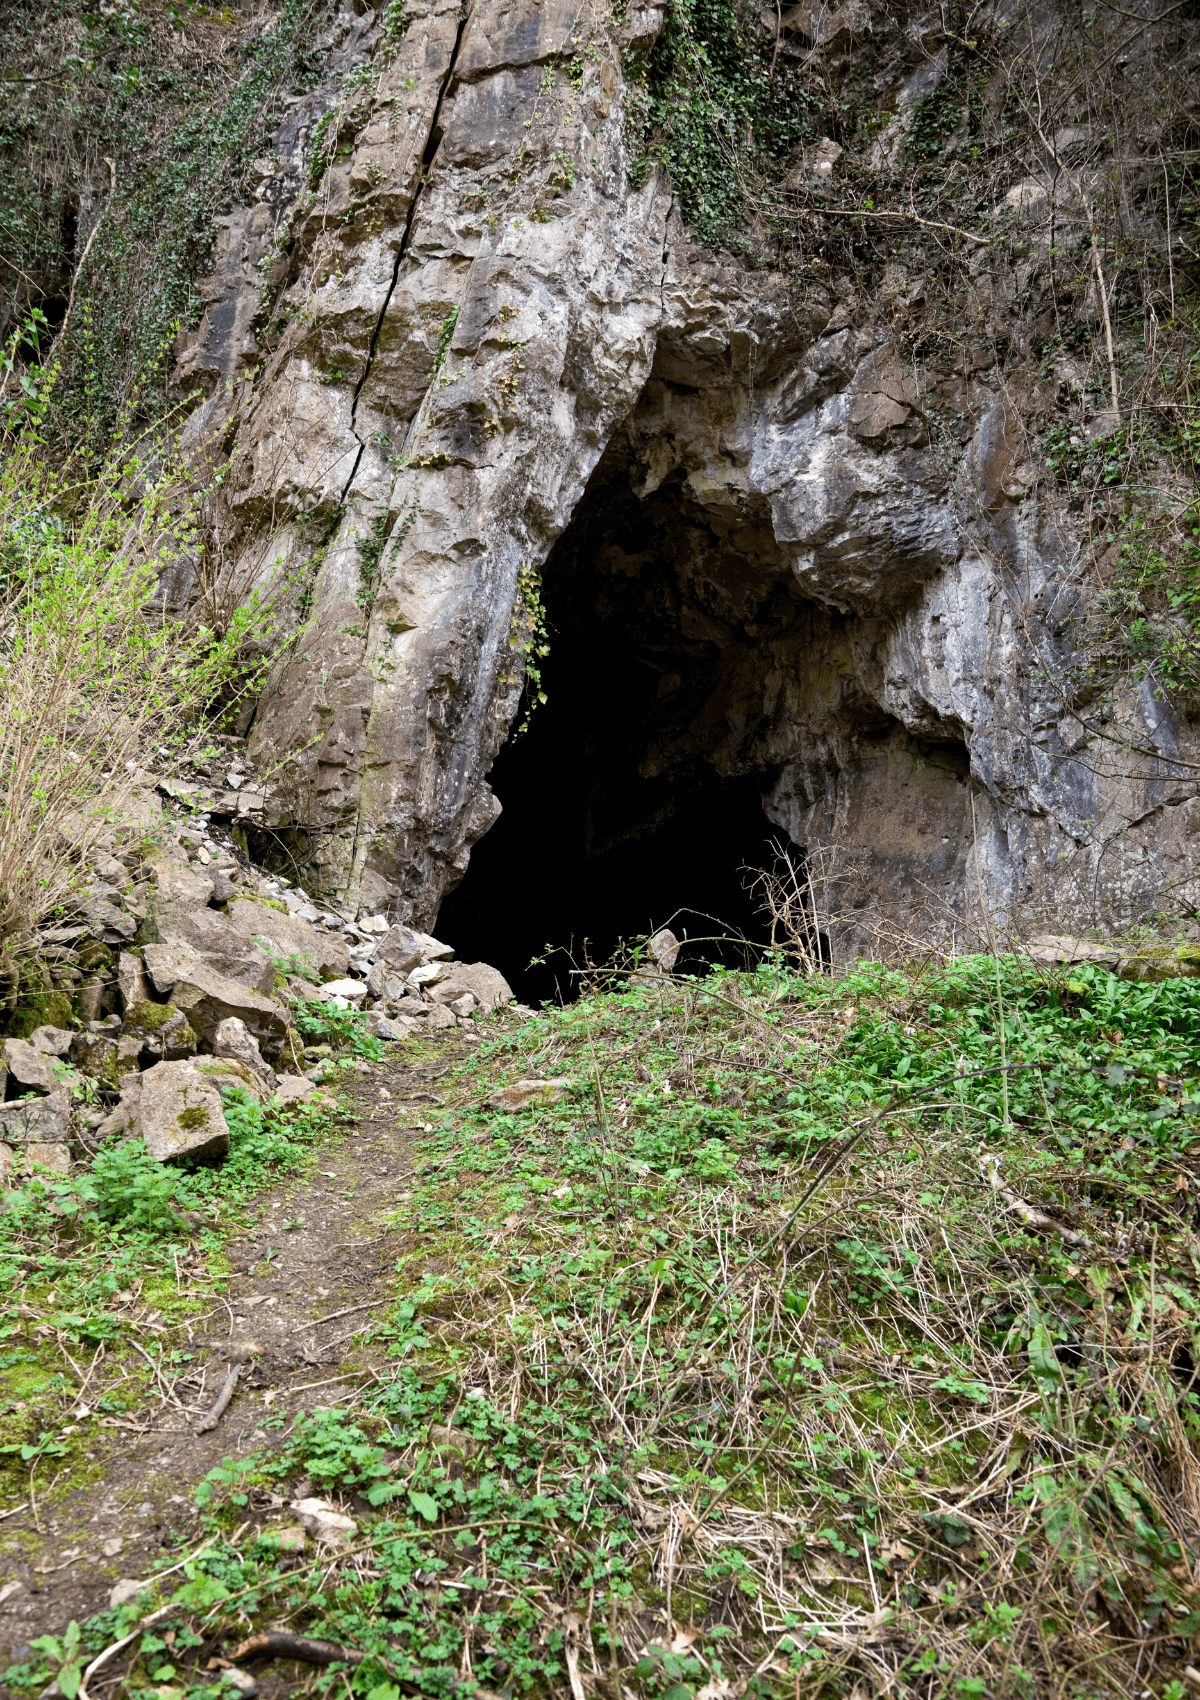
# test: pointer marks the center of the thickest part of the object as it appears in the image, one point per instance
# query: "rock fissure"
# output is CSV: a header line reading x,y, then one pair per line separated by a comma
x,y
427,159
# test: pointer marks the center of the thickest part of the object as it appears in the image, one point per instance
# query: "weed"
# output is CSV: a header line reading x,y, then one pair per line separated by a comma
x,y
784,1354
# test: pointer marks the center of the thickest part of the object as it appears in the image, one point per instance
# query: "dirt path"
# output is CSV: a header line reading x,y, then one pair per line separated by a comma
x,y
298,1301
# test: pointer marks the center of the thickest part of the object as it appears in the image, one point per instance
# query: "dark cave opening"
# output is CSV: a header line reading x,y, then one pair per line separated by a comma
x,y
624,802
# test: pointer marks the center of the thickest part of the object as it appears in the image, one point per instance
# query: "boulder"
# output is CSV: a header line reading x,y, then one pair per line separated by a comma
x,y
387,1027
486,985
95,1054
428,974
382,982
288,939
132,986
1053,948
177,1112
439,1016
223,887
182,887
221,944
207,998
44,1154
233,1039
51,1041
398,952
160,1032
7,1161
463,1007
36,1120
227,1071
663,949
29,1070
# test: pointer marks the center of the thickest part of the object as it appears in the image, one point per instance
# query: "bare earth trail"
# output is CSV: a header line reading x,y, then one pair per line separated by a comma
x,y
298,1300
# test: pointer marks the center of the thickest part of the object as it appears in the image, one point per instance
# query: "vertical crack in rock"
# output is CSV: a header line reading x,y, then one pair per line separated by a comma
x,y
427,158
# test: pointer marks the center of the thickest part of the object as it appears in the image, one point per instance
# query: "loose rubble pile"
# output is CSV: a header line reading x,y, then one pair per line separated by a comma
x,y
183,971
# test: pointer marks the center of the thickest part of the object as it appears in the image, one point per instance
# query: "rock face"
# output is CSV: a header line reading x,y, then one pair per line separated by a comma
x,y
489,353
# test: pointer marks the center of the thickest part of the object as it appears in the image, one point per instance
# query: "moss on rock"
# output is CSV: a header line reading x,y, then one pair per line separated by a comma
x,y
39,1009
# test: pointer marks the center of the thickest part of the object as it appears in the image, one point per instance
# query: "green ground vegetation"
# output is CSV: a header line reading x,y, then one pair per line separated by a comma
x,y
827,1336
100,1269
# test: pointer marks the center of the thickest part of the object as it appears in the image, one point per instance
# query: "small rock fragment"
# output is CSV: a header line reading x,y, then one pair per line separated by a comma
x,y
663,949
325,1524
522,1093
352,991
233,1039
125,1590
293,1088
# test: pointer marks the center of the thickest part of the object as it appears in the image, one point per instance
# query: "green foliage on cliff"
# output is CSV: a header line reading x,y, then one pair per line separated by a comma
x,y
719,112
133,131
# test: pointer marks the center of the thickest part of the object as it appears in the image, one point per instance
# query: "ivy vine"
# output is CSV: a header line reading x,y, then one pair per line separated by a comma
x,y
529,640
716,111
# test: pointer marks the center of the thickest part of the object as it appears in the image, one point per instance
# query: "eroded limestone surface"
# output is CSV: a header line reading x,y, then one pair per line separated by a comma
x,y
476,330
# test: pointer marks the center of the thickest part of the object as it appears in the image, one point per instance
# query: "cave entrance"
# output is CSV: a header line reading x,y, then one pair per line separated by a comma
x,y
636,793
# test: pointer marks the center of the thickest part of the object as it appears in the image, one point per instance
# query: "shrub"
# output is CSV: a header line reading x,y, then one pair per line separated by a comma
x,y
93,672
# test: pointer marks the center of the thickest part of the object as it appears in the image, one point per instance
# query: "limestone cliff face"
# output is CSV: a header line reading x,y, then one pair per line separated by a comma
x,y
474,336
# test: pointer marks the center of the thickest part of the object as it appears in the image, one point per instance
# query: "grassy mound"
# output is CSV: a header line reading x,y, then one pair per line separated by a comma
x,y
825,1337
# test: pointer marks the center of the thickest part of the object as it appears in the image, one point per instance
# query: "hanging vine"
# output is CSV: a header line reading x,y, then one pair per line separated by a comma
x,y
529,640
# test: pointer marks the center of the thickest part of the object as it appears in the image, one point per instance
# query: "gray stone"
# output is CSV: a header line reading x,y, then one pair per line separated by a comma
x,y
220,942
125,1590
223,887
525,1093
439,1016
663,949
208,998
183,887
157,1033
31,1069
34,1119
95,1054
52,1041
486,984
350,991
384,983
132,986
288,940
293,1089
233,1039
177,1112
52,1155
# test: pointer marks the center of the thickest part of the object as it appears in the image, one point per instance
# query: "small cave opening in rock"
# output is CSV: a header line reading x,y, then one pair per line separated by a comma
x,y
635,797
